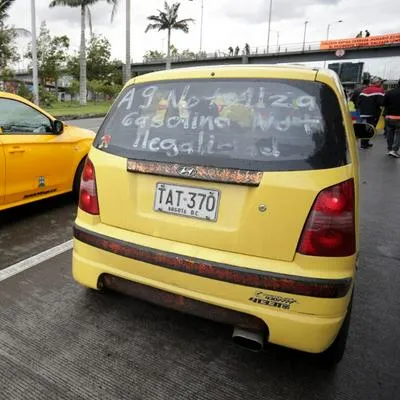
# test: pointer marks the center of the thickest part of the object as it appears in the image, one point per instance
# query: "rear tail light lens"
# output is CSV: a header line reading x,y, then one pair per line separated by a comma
x,y
88,200
330,227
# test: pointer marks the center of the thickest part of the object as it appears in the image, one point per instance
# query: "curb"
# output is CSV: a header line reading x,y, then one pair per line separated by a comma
x,y
79,116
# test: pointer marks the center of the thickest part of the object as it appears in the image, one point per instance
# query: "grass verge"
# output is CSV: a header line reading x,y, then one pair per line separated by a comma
x,y
61,109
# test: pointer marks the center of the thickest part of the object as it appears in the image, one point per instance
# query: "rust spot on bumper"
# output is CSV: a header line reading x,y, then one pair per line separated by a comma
x,y
256,278
211,174
182,304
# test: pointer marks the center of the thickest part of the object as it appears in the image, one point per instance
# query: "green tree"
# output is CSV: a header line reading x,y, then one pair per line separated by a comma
x,y
153,55
188,54
73,88
98,64
115,76
84,7
8,51
167,20
23,91
98,58
51,54
105,89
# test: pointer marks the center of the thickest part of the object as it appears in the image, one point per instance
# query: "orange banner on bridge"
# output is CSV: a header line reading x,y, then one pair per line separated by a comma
x,y
371,41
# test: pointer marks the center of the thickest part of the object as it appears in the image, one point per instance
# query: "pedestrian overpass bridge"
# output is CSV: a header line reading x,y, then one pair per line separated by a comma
x,y
297,53
279,55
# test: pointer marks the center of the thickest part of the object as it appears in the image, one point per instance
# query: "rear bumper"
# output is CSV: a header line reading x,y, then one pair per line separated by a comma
x,y
231,294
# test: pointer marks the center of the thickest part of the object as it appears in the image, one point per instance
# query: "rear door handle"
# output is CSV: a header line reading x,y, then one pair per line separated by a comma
x,y
16,149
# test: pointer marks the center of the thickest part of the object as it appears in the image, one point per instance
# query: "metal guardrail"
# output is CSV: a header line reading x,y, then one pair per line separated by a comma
x,y
259,50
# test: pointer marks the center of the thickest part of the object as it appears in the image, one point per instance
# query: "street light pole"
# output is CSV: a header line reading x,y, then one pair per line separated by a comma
x,y
201,25
128,41
269,24
329,27
304,37
328,30
34,55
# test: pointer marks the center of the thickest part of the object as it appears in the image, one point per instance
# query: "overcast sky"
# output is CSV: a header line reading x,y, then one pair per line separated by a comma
x,y
226,23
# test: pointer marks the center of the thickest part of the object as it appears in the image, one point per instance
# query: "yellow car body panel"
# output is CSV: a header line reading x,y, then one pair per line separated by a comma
x,y
37,166
244,238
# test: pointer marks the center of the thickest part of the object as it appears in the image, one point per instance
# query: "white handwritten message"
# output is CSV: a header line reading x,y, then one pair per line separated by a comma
x,y
222,122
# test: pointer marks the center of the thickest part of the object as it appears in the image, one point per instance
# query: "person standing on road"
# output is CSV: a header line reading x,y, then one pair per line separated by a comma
x,y
369,105
391,104
355,96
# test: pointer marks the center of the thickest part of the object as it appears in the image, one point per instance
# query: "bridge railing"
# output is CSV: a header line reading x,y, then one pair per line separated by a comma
x,y
257,50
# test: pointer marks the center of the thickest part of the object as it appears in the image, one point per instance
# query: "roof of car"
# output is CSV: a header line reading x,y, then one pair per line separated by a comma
x,y
286,71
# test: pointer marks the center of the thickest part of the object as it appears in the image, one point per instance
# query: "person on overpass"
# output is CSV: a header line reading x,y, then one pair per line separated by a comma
x,y
391,103
369,104
367,34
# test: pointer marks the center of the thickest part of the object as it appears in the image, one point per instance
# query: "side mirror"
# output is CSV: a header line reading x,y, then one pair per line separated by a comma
x,y
364,131
58,127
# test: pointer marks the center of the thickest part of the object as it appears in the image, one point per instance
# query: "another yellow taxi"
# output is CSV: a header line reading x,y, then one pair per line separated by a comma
x,y
40,156
238,202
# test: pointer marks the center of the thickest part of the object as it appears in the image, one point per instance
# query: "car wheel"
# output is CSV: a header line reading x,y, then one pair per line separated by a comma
x,y
333,355
77,180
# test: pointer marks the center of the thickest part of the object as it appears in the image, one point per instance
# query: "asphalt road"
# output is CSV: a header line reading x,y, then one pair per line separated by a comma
x,y
61,341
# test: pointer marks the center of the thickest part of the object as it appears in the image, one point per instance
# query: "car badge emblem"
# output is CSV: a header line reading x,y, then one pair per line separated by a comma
x,y
42,182
186,171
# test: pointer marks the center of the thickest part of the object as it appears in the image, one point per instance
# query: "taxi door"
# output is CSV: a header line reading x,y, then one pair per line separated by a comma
x,y
2,172
37,161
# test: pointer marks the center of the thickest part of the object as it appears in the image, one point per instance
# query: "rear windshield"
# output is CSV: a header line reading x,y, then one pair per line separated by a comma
x,y
260,125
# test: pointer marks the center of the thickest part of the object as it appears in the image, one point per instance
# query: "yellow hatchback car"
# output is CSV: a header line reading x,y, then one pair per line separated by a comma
x,y
230,193
40,156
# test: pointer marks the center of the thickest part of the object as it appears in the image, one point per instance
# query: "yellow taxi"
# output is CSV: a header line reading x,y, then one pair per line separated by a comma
x,y
40,156
242,208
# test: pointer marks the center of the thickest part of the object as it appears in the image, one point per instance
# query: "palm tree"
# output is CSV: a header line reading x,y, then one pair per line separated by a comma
x,y
84,6
127,74
4,7
167,20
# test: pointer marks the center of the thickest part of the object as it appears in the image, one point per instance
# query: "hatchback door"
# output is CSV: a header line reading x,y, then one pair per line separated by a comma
x,y
229,164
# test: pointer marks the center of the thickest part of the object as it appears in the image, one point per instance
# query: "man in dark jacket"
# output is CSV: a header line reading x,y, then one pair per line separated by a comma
x,y
355,96
369,105
391,102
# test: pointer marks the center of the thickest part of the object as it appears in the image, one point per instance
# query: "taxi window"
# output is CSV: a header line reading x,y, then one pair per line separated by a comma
x,y
247,124
18,118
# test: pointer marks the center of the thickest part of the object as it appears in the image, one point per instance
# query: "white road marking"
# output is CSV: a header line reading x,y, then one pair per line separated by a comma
x,y
34,260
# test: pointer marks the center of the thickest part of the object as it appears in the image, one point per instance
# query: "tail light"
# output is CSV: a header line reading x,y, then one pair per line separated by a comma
x,y
330,227
88,200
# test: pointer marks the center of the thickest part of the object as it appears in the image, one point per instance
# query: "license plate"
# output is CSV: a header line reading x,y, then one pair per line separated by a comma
x,y
187,201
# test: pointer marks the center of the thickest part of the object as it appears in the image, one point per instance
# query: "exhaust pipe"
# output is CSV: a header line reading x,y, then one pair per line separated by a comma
x,y
251,340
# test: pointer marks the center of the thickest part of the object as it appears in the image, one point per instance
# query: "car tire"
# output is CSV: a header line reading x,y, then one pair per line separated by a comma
x,y
77,180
